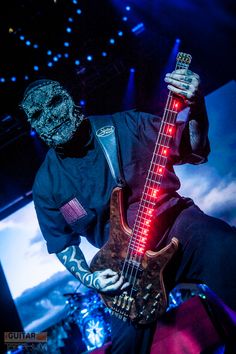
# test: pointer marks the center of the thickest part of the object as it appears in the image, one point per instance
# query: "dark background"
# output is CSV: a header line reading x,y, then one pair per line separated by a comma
x,y
206,29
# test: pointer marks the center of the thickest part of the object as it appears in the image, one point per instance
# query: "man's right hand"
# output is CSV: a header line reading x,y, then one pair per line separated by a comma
x,y
108,281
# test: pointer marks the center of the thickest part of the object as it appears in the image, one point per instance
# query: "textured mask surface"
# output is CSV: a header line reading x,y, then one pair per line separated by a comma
x,y
51,112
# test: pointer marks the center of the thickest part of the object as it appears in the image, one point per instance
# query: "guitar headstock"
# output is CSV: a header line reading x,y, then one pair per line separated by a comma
x,y
183,60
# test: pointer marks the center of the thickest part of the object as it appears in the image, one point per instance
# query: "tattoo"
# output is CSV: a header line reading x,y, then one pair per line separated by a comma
x,y
73,259
185,86
194,133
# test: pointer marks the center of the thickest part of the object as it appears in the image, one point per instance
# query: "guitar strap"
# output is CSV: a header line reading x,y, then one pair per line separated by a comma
x,y
105,133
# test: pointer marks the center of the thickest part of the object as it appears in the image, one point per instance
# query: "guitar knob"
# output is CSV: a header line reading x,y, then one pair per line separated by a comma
x,y
149,286
146,296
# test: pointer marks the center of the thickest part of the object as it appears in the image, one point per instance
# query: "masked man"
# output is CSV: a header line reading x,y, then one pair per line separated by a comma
x,y
72,193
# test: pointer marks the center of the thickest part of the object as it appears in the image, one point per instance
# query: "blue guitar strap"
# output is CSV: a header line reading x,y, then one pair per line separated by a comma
x,y
105,133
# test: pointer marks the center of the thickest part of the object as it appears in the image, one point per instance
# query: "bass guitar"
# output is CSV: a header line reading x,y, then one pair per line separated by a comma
x,y
126,250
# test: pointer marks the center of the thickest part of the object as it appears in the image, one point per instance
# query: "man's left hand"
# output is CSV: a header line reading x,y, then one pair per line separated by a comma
x,y
184,83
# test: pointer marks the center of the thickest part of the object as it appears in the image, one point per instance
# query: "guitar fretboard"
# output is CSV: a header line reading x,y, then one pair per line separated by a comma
x,y
152,187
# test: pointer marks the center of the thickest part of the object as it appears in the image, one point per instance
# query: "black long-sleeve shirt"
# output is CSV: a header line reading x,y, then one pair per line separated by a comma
x,y
72,191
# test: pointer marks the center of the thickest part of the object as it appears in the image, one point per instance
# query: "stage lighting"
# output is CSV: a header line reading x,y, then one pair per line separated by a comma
x,y
49,52
2,79
132,70
35,46
112,41
89,57
120,33
70,19
66,44
55,58
32,133
28,43
75,2
82,102
138,28
178,40
36,68
77,62
26,77
124,18
104,54
66,55
13,79
68,30
127,8
78,11
22,38
50,64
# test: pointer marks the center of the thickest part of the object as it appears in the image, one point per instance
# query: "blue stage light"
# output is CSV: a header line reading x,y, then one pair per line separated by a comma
x,y
124,18
66,55
120,33
13,79
66,44
26,77
50,64
55,58
82,102
75,2
112,41
22,38
127,8
178,40
68,30
78,11
32,133
77,62
28,43
138,28
35,46
132,70
104,54
70,19
2,79
59,55
49,52
89,57
36,68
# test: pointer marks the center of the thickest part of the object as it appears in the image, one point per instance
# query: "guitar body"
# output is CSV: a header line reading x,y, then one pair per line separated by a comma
x,y
148,300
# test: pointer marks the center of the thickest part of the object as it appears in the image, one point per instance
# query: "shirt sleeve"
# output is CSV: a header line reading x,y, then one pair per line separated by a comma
x,y
191,124
55,230
181,148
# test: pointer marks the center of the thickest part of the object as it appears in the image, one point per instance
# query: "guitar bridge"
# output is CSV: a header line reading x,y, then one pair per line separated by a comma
x,y
121,306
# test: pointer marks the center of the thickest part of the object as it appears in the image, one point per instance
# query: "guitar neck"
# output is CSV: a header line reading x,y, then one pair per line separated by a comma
x,y
152,187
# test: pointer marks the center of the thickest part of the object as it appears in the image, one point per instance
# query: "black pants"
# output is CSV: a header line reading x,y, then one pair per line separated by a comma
x,y
207,254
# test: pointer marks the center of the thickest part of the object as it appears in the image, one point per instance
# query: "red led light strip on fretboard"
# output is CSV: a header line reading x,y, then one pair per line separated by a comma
x,y
152,188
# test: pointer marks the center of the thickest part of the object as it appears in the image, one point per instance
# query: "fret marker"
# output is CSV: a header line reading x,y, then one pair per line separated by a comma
x,y
154,193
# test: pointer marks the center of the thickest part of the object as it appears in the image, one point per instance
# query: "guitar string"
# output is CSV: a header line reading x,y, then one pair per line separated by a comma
x,y
156,159
133,255
170,118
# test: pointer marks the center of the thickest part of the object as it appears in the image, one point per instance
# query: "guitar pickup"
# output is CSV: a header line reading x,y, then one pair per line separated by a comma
x,y
132,269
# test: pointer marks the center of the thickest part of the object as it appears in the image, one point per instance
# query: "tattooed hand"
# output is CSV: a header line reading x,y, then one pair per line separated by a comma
x,y
104,281
107,281
184,83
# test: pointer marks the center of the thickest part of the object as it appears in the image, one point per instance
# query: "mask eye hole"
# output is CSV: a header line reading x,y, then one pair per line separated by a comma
x,y
55,101
36,115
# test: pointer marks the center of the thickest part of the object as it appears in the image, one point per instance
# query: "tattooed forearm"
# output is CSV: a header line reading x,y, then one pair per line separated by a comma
x,y
196,138
73,259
